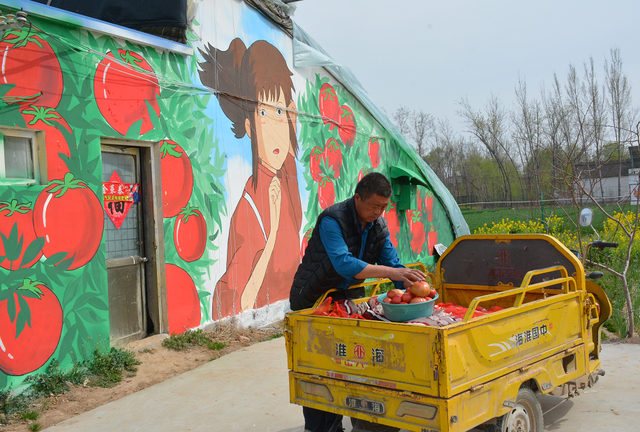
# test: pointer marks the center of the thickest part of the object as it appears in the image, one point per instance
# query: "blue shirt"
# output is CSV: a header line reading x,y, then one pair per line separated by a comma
x,y
344,262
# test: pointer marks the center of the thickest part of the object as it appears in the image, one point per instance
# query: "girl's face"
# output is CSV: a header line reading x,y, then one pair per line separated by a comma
x,y
272,132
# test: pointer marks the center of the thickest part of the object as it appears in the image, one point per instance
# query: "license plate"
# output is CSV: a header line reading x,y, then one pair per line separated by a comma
x,y
364,404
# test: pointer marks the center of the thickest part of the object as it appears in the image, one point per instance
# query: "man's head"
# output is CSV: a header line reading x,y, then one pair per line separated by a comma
x,y
372,197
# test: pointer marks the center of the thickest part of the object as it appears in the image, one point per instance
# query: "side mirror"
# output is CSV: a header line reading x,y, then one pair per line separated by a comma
x,y
586,216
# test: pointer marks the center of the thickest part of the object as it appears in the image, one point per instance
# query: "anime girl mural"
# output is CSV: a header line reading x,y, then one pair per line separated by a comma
x,y
256,94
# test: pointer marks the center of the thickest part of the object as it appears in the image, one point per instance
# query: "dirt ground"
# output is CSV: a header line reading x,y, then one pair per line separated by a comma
x,y
158,365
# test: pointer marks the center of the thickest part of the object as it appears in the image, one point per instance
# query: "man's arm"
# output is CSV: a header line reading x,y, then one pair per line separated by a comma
x,y
343,261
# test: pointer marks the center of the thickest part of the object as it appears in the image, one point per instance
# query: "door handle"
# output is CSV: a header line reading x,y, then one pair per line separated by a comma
x,y
143,259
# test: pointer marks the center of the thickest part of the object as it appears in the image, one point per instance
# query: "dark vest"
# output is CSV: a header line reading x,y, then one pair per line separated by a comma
x,y
316,274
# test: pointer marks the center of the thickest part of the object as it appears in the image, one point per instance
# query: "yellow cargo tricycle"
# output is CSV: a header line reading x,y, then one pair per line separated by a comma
x,y
485,370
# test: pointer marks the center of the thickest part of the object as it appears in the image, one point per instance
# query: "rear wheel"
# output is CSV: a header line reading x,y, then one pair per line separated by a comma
x,y
365,426
525,416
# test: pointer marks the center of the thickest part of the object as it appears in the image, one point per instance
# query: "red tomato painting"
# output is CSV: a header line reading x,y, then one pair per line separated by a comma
x,y
183,304
12,213
347,129
305,242
30,327
123,85
374,152
177,178
51,122
28,61
363,172
329,105
326,193
432,239
416,226
393,223
429,206
333,157
190,234
70,218
317,157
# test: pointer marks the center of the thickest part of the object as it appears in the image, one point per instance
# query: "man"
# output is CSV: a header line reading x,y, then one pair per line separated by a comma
x,y
349,243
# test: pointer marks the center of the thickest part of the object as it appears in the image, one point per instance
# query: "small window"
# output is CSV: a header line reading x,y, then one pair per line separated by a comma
x,y
18,158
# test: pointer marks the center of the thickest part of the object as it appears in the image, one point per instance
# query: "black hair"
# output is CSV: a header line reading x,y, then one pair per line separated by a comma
x,y
374,183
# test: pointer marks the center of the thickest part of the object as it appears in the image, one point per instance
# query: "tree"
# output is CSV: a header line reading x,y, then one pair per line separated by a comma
x,y
416,125
619,104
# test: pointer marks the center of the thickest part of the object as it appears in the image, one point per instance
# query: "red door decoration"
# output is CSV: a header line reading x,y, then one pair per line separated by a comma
x,y
119,197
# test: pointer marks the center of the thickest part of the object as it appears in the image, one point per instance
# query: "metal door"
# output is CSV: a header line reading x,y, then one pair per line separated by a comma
x,y
125,252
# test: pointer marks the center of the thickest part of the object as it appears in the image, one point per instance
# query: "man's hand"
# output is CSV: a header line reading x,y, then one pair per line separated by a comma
x,y
408,276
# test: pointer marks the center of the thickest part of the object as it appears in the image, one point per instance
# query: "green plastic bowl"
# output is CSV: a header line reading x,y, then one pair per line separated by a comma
x,y
406,312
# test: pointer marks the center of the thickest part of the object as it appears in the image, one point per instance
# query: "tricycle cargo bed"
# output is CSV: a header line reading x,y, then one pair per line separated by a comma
x,y
534,277
435,361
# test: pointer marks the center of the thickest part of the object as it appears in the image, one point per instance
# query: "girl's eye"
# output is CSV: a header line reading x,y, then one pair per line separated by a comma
x,y
279,111
263,113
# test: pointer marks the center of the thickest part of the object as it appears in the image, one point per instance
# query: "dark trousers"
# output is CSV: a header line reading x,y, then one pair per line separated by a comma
x,y
321,421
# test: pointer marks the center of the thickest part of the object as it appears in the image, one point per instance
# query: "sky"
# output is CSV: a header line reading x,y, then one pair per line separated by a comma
x,y
428,55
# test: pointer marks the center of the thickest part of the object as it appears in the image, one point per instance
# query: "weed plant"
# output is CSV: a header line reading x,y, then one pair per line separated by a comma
x,y
183,341
106,369
103,369
55,380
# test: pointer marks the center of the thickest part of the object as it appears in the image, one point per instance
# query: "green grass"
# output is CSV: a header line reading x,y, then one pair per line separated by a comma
x,y
30,415
183,341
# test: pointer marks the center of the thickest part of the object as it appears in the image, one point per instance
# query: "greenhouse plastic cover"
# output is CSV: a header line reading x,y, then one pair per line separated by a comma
x,y
307,52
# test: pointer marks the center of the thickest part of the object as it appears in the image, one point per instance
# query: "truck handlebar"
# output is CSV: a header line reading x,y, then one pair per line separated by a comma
x,y
603,244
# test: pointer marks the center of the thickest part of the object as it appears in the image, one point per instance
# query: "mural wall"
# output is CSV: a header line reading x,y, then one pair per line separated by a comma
x,y
251,150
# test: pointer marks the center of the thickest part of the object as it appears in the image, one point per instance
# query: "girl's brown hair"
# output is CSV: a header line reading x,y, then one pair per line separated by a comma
x,y
243,77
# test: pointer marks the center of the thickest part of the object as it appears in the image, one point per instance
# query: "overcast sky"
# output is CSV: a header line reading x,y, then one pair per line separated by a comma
x,y
427,54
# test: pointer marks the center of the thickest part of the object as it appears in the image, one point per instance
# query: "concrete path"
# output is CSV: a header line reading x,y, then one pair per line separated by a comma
x,y
248,390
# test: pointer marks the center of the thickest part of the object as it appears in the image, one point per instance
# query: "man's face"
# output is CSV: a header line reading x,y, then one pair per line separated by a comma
x,y
370,209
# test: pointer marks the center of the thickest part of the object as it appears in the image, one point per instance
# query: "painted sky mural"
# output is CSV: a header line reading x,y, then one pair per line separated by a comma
x,y
251,149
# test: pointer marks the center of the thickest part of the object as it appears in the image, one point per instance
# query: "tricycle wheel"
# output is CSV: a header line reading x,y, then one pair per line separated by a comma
x,y
525,416
365,426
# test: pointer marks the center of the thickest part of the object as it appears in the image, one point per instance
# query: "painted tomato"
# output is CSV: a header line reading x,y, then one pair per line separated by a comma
x,y
70,218
416,226
305,242
30,327
347,129
51,122
190,234
333,157
329,105
317,157
183,304
28,61
432,239
326,193
123,85
177,178
429,205
393,223
12,213
363,172
374,152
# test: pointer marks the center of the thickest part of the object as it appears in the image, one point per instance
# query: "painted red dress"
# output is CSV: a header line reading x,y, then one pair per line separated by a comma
x,y
248,233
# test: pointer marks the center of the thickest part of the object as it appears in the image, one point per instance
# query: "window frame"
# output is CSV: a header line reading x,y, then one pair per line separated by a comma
x,y
38,153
